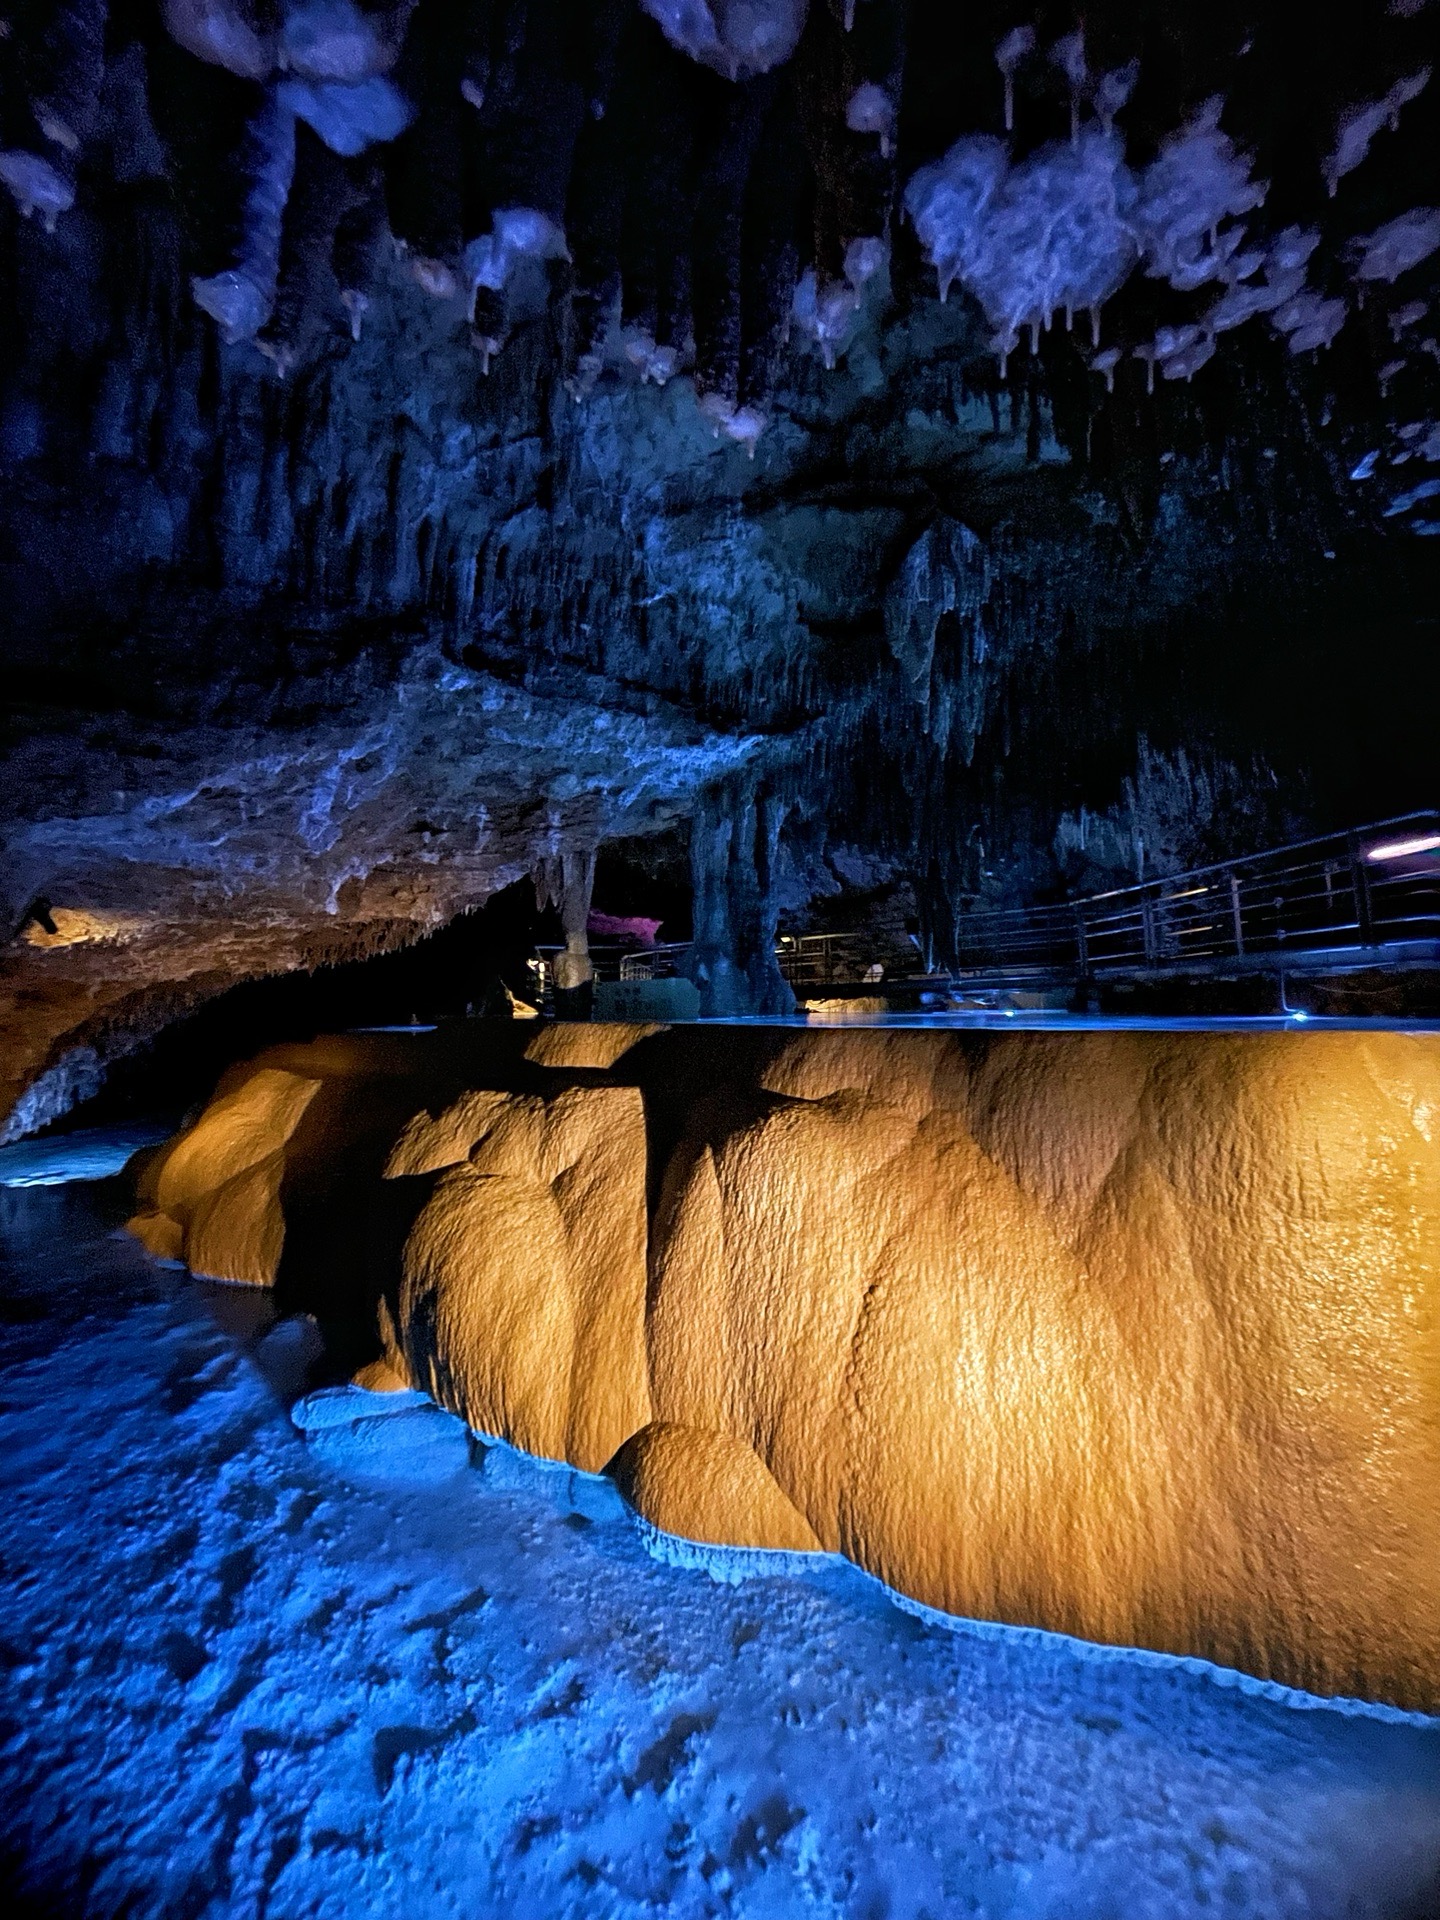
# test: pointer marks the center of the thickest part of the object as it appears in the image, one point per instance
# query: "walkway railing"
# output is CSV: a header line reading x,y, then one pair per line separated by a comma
x,y
1372,888
810,960
1367,897
612,961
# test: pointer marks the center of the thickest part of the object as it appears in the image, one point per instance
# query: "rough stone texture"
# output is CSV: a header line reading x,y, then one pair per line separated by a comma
x,y
1128,1335
522,1303
298,665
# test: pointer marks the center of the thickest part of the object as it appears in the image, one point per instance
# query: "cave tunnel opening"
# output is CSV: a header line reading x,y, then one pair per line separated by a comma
x,y
463,970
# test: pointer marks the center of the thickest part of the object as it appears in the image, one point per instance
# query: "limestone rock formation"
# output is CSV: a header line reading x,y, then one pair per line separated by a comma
x,y
522,1303
215,1193
702,1485
314,637
1130,1335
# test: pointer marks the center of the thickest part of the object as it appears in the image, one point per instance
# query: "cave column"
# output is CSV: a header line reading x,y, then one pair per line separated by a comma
x,y
734,839
574,970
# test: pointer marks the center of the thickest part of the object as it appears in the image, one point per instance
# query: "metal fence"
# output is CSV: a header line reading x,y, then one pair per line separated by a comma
x,y
655,963
612,961
1375,887
824,959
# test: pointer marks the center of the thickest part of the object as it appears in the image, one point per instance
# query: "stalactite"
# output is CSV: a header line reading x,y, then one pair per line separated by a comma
x,y
849,82
71,69
322,193
1017,46
426,167
50,104
596,214
240,297
359,234
236,34
740,114
648,579
738,38
658,105
1358,126
770,259
529,122
1068,54
341,41
734,841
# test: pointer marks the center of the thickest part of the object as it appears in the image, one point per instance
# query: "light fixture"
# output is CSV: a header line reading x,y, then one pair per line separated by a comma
x,y
1398,849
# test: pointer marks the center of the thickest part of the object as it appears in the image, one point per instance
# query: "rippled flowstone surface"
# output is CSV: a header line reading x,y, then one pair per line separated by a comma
x,y
1121,1334
244,1680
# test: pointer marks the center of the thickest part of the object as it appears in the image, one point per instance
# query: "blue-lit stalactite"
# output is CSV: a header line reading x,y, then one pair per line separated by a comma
x,y
1119,572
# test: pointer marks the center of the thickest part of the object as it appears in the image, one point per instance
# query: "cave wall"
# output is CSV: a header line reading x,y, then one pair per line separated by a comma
x,y
311,639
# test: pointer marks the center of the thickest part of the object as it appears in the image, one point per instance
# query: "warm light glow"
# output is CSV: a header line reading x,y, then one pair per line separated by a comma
x,y
79,926
1056,1329
1398,849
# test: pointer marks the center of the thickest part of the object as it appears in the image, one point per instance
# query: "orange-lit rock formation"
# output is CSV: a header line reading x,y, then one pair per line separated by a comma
x,y
522,1298
1129,1335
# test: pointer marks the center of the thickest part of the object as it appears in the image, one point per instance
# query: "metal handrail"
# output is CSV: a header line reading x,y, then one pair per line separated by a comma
x,y
821,959
612,962
1369,887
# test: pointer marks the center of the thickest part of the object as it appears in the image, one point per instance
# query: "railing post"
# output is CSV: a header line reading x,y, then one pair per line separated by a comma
x,y
1082,945
1235,915
1360,886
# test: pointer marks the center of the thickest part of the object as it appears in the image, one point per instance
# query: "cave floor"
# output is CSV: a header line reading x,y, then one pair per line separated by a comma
x,y
250,1674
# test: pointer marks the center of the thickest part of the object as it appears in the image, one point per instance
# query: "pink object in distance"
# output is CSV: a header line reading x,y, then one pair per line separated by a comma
x,y
623,926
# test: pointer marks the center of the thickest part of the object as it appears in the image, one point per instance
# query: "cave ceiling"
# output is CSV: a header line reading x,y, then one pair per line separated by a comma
x,y
438,436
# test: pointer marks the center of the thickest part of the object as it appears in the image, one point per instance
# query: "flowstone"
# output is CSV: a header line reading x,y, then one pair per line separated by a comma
x,y
1127,1335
